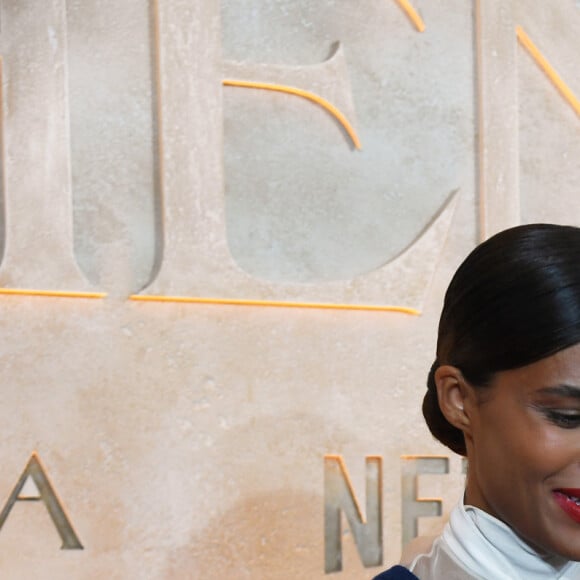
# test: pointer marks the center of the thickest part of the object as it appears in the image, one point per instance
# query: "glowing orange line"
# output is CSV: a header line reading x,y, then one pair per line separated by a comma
x,y
274,303
542,62
412,14
51,293
304,94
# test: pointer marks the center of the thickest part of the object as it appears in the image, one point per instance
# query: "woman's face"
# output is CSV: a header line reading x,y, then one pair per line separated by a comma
x,y
523,446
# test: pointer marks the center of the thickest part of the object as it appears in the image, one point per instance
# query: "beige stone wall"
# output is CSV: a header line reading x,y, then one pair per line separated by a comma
x,y
188,440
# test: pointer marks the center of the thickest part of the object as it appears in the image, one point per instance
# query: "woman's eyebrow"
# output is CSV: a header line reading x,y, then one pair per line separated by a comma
x,y
563,390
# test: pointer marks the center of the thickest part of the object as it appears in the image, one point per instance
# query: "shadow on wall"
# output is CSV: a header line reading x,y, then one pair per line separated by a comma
x,y
275,535
275,528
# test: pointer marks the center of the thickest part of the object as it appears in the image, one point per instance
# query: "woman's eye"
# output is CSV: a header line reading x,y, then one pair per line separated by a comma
x,y
565,419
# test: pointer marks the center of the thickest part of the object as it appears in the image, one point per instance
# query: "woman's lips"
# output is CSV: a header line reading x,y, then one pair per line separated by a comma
x,y
566,498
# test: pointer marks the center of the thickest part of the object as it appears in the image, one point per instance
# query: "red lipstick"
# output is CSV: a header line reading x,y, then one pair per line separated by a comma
x,y
566,498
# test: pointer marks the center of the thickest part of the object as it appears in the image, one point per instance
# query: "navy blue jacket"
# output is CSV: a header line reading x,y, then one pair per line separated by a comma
x,y
396,573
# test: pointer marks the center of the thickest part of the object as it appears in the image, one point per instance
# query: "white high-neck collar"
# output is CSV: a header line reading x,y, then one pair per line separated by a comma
x,y
488,548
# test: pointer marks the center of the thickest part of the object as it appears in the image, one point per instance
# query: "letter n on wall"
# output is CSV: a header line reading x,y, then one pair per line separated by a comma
x,y
339,497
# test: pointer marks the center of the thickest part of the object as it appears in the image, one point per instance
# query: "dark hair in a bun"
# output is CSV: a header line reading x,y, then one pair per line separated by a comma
x,y
513,301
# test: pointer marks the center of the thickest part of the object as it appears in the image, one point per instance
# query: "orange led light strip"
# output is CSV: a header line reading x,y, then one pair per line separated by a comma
x,y
274,303
305,95
541,61
412,14
51,293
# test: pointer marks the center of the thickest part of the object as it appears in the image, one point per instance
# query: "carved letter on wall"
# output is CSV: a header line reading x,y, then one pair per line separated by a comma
x,y
339,497
415,506
35,153
47,494
196,261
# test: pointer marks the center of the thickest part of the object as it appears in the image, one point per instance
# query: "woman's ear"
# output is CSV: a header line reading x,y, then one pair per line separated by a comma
x,y
454,396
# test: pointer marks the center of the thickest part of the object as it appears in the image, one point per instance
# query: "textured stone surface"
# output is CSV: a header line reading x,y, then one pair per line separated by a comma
x,y
549,127
187,441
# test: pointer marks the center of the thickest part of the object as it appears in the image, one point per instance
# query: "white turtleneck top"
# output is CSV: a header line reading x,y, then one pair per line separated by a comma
x,y
475,545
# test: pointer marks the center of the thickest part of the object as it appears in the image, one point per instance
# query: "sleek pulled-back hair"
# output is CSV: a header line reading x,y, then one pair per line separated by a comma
x,y
513,301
